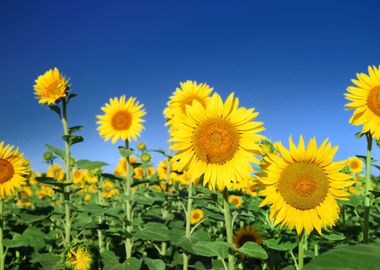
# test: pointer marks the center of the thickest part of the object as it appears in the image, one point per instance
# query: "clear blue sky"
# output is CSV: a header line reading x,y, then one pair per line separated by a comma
x,y
291,61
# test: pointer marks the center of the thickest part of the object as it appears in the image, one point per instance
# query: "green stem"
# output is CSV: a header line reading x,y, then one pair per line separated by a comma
x,y
100,201
228,224
316,248
128,209
188,223
367,187
2,255
68,175
301,250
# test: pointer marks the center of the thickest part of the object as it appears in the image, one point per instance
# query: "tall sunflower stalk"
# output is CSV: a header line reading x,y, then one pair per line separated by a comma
x,y
367,202
229,228
188,222
2,254
128,206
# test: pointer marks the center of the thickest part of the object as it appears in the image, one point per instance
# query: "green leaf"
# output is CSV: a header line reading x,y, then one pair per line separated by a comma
x,y
161,151
48,261
362,256
333,237
89,165
125,152
375,192
32,237
56,151
133,263
51,181
154,264
154,231
75,129
252,249
72,95
358,135
55,109
71,139
277,244
111,262
211,249
112,177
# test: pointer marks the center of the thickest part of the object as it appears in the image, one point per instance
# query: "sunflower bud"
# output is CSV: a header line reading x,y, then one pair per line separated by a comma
x,y
146,157
48,156
141,146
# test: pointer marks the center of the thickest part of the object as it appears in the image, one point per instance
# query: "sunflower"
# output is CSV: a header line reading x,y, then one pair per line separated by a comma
x,y
364,99
247,234
78,176
355,165
55,171
50,87
303,184
186,95
12,170
139,173
80,258
121,120
236,200
218,141
196,215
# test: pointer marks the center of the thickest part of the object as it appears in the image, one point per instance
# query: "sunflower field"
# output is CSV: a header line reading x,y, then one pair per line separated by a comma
x,y
224,195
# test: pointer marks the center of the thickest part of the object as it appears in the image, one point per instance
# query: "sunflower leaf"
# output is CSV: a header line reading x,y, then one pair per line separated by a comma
x,y
55,109
75,129
89,165
254,250
112,177
72,95
70,139
56,151
154,231
154,264
125,152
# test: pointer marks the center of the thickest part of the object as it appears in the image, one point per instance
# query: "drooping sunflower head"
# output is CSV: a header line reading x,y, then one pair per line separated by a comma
x,y
218,141
12,170
247,234
122,119
81,257
235,200
355,165
303,184
50,87
185,95
364,99
196,215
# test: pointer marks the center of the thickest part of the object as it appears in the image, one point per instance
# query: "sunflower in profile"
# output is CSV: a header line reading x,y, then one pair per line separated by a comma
x,y
122,119
12,170
196,216
364,99
186,95
355,165
55,171
50,87
247,234
303,184
218,141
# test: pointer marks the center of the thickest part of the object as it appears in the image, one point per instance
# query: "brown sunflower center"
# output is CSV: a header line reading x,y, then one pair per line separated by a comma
x,y
6,171
354,164
216,141
189,101
251,235
196,215
303,185
373,100
121,120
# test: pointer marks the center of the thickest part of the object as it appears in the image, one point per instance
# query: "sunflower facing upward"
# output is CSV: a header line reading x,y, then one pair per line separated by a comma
x,y
303,184
364,99
218,141
50,87
12,170
122,119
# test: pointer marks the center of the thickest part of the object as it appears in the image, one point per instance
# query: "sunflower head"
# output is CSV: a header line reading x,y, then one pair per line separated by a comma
x,y
355,165
81,257
50,87
247,234
55,171
218,141
303,184
13,170
78,176
185,95
138,173
122,119
364,99
235,200
196,215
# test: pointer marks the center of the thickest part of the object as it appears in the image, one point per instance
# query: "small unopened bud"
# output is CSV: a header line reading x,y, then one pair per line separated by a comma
x,y
146,157
141,146
48,156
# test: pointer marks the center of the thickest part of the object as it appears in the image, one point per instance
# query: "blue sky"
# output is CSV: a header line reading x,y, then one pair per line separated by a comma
x,y
291,61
